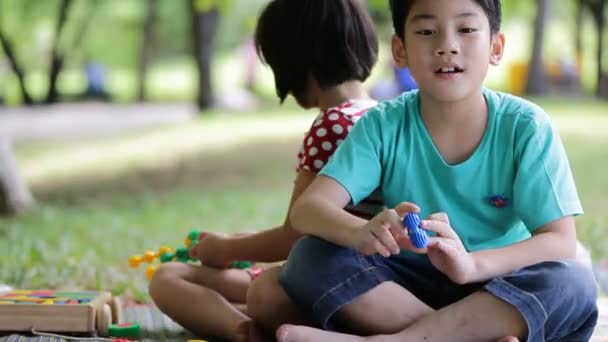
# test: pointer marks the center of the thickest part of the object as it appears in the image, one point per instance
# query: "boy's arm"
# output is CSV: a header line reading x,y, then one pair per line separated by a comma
x,y
553,241
320,212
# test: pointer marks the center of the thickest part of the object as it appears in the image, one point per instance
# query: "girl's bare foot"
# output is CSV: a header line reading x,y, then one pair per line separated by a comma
x,y
251,332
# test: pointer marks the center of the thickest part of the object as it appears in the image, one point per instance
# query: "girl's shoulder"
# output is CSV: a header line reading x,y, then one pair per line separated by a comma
x,y
350,110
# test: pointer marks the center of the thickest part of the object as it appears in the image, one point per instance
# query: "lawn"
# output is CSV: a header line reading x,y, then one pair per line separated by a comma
x,y
102,200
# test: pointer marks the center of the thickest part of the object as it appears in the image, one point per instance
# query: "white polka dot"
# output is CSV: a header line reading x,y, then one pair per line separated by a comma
x,y
338,142
327,146
333,117
318,163
317,123
306,167
338,129
349,127
309,141
313,151
303,161
321,132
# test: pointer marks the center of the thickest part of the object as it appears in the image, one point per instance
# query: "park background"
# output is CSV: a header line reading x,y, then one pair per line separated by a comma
x,y
124,124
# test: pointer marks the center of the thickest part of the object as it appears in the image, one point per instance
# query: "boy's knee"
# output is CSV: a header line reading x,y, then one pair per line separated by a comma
x,y
309,257
574,279
579,282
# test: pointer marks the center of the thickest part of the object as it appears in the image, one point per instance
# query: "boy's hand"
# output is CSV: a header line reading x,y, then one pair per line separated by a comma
x,y
381,233
446,251
212,250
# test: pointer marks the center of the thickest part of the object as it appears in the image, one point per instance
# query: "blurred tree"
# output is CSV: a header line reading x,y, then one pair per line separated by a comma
x,y
537,83
28,13
598,10
147,46
11,54
205,20
17,68
15,196
57,59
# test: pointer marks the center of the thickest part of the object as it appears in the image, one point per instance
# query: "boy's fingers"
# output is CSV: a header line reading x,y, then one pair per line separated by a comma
x,y
406,243
441,228
406,207
381,249
384,236
440,244
441,216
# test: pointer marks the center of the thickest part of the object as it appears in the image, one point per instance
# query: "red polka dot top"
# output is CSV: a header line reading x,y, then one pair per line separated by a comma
x,y
328,131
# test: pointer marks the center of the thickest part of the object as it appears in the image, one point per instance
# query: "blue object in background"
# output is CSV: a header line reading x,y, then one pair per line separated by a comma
x,y
411,222
405,81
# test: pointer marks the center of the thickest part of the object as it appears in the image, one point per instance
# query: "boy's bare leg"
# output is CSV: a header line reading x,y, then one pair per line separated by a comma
x,y
369,314
204,300
466,320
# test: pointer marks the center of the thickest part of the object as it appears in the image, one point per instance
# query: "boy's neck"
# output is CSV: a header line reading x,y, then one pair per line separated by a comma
x,y
341,93
441,114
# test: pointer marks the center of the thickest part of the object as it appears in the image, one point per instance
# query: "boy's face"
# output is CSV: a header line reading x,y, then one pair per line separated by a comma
x,y
448,47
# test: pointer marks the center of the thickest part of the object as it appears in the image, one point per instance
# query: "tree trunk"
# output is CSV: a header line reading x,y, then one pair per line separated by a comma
x,y
10,55
578,40
578,31
56,58
537,82
145,53
15,196
602,81
84,24
204,28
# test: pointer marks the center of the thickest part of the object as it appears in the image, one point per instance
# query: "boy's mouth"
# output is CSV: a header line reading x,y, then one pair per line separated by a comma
x,y
449,70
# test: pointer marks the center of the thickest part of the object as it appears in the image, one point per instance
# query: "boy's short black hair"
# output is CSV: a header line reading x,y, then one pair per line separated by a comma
x,y
333,41
400,9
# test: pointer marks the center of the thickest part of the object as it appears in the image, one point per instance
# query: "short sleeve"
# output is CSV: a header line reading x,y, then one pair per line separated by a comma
x,y
327,132
544,188
356,165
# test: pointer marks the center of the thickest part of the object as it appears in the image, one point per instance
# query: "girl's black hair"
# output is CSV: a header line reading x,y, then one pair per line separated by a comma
x,y
331,40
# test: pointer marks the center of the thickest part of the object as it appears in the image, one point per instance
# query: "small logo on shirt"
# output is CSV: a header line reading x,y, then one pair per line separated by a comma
x,y
498,201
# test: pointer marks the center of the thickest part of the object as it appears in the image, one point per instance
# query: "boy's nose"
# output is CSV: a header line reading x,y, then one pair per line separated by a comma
x,y
441,52
447,45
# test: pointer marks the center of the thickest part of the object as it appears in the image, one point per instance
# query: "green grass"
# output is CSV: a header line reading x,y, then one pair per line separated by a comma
x,y
102,200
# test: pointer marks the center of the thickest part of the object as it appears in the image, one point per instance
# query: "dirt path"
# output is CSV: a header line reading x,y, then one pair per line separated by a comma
x,y
89,119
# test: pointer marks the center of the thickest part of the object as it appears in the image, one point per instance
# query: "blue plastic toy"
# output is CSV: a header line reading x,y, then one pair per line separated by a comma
x,y
411,222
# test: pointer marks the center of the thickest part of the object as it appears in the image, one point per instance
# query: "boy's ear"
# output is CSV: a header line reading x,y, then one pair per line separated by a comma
x,y
497,48
399,52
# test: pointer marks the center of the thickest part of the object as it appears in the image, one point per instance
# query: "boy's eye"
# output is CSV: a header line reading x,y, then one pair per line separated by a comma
x,y
467,30
425,32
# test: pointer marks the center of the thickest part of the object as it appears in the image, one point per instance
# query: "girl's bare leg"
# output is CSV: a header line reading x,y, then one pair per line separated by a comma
x,y
269,306
204,300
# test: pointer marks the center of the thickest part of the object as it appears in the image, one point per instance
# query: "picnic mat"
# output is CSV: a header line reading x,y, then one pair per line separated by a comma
x,y
156,326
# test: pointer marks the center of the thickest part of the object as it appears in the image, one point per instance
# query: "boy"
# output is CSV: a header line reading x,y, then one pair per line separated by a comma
x,y
489,169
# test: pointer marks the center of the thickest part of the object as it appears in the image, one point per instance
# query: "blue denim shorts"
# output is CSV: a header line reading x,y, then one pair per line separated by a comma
x,y
557,299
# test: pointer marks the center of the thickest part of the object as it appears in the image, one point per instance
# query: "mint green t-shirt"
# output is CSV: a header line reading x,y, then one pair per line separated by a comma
x,y
520,158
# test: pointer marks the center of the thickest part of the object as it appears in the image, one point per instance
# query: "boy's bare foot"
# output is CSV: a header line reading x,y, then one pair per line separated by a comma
x,y
302,333
509,339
